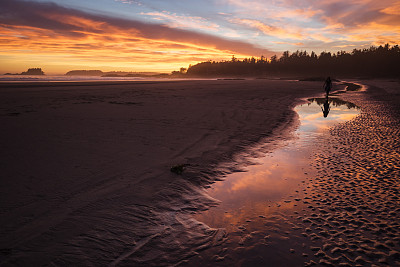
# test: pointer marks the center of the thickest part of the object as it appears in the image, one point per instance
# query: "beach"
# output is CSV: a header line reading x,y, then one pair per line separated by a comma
x,y
345,210
86,173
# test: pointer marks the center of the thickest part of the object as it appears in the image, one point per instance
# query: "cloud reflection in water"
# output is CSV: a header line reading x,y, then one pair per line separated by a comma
x,y
264,187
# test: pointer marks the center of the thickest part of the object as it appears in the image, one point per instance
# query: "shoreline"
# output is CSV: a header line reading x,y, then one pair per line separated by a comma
x,y
329,221
105,151
160,216
359,224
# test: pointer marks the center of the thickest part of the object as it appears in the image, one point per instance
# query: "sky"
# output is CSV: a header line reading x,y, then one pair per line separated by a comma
x,y
164,35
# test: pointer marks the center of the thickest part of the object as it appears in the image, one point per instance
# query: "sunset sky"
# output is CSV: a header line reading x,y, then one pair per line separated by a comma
x,y
164,35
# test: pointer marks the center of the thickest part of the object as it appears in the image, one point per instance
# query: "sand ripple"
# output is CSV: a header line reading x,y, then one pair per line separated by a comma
x,y
346,213
355,197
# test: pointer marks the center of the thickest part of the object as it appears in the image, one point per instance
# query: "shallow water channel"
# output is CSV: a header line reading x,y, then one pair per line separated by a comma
x,y
271,184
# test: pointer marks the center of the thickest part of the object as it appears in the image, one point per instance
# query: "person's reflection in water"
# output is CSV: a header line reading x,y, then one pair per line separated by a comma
x,y
326,108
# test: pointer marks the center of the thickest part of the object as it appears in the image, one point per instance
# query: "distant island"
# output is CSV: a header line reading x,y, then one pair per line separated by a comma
x,y
85,73
100,73
31,71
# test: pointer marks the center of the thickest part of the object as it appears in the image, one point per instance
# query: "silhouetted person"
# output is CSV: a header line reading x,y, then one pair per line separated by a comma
x,y
328,85
326,108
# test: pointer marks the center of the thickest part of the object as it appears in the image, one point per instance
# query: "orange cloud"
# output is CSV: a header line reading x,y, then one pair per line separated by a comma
x,y
269,29
375,33
321,24
289,43
299,13
281,33
59,35
177,21
392,10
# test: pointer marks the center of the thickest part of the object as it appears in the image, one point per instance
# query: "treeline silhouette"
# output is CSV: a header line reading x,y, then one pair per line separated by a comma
x,y
382,61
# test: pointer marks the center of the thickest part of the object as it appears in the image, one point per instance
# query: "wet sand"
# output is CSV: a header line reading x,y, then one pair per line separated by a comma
x,y
254,203
345,211
354,207
85,167
89,180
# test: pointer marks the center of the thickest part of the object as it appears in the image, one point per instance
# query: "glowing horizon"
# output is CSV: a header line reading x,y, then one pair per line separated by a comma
x,y
161,36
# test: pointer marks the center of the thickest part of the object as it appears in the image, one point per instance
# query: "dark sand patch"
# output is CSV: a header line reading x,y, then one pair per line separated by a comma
x,y
90,184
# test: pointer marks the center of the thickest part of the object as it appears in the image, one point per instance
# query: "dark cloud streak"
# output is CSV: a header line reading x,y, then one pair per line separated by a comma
x,y
42,15
355,14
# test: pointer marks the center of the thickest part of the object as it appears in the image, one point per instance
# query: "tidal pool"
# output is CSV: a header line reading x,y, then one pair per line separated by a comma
x,y
266,186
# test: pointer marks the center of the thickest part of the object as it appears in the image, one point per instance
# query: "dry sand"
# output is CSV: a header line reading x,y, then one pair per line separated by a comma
x,y
85,176
85,167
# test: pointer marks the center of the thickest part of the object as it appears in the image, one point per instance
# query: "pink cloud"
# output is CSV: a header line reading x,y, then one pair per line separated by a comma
x,y
181,21
57,20
269,29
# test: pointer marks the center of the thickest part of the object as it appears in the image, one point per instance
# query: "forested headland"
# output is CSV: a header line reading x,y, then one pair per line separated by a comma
x,y
374,62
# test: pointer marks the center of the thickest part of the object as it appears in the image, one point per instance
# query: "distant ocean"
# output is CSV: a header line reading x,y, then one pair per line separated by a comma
x,y
64,78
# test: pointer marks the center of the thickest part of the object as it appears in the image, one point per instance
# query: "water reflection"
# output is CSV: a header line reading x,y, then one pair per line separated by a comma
x,y
337,102
326,108
267,186
325,104
313,123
